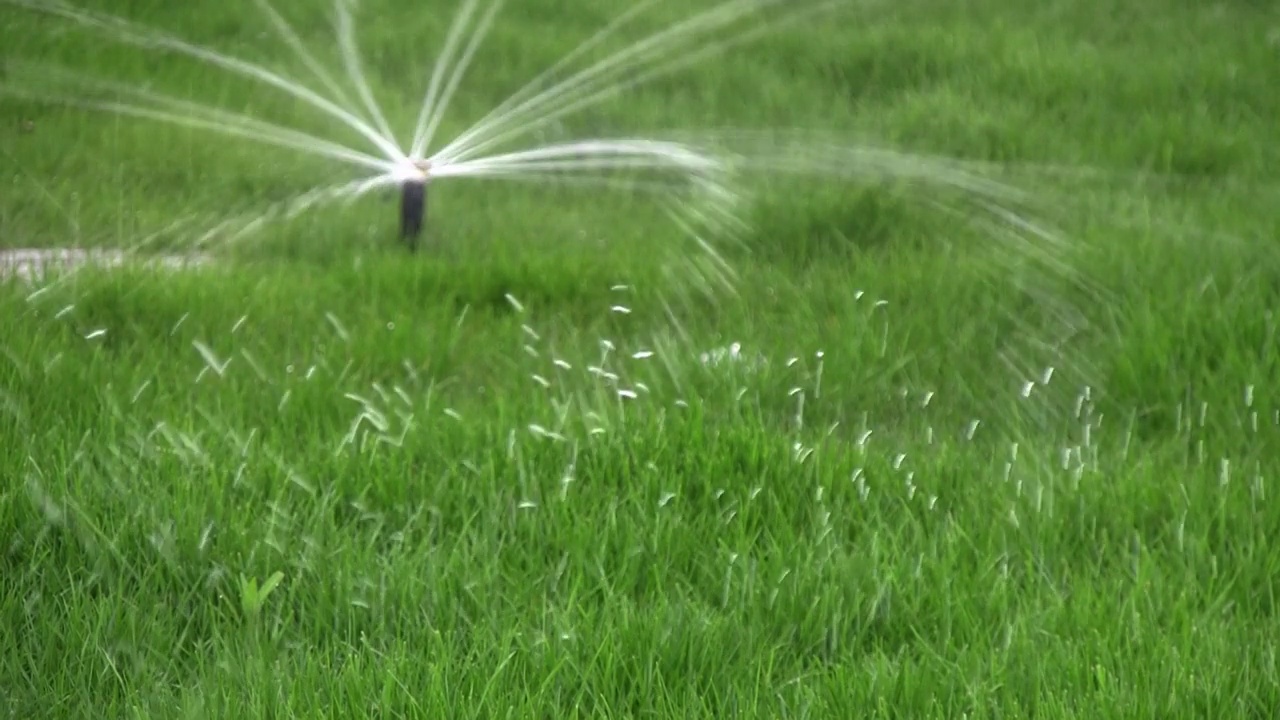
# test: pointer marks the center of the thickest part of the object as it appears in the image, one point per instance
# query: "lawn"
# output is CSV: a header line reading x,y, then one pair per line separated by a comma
x,y
906,460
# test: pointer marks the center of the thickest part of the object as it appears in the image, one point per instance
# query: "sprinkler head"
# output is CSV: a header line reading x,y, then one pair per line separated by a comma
x,y
413,205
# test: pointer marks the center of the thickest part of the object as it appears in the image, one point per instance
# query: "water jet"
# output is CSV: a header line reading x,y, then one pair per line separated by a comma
x,y
502,145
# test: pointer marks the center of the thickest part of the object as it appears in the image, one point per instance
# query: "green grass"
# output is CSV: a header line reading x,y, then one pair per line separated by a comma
x,y
889,529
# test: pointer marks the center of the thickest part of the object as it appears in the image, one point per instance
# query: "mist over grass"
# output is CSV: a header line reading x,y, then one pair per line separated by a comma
x,y
924,460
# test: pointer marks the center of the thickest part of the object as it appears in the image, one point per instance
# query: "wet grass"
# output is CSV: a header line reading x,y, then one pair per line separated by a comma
x,y
325,479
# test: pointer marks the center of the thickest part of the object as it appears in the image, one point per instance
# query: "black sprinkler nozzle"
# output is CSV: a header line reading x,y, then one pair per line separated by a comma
x,y
413,212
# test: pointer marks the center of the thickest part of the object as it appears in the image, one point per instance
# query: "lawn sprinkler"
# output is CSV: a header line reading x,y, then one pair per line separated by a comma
x,y
413,204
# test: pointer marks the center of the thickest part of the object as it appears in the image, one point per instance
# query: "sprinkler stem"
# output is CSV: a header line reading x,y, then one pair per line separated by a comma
x,y
413,211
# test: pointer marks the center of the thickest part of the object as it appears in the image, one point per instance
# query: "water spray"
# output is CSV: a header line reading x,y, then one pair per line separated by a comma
x,y
476,152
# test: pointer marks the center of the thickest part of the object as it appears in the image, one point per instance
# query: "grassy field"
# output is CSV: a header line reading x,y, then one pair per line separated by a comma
x,y
952,473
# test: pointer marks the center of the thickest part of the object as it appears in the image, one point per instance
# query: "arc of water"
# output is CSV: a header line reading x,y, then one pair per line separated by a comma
x,y
608,87
419,148
350,49
309,144
184,113
626,153
423,134
291,208
454,35
656,46
290,37
146,37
